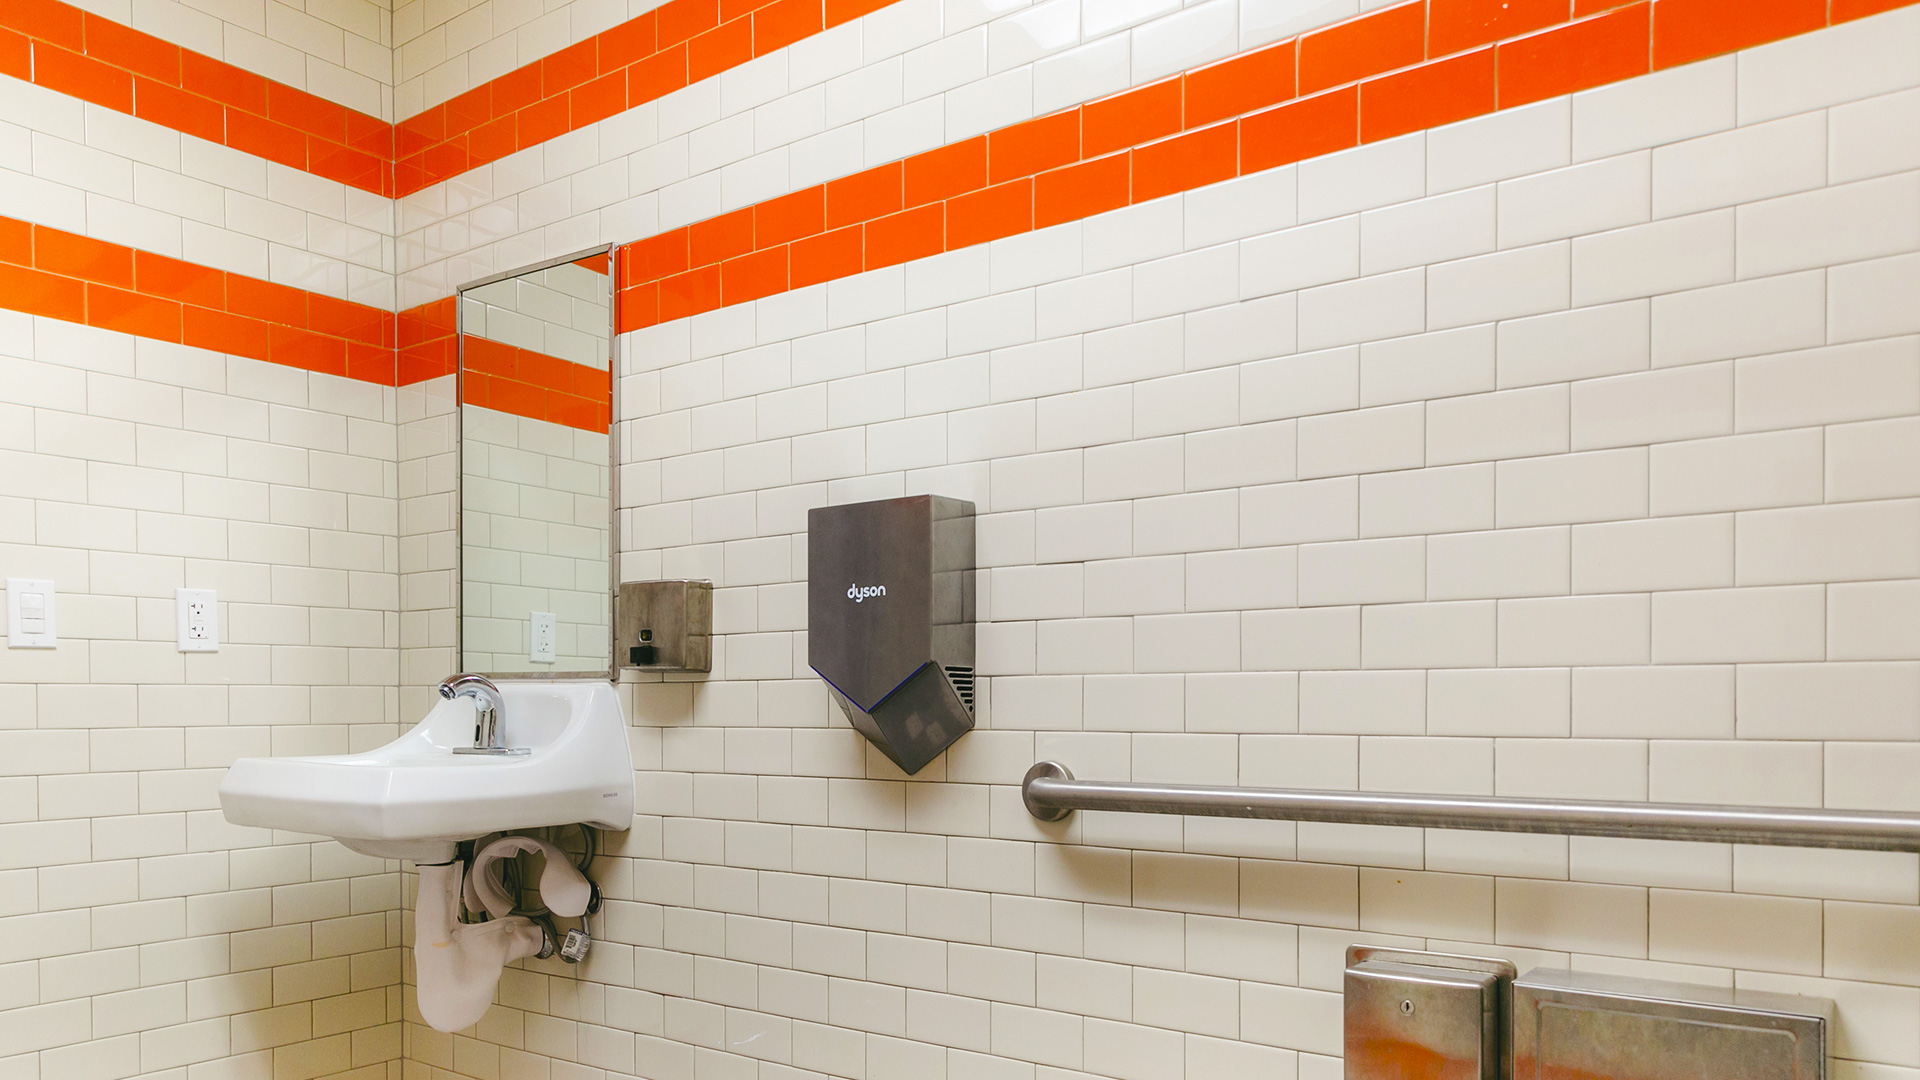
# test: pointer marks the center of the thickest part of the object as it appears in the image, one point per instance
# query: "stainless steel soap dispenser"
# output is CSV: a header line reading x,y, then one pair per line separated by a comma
x,y
890,611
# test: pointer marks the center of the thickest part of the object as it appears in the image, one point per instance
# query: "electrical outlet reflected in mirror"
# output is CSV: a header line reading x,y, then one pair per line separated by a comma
x,y
536,411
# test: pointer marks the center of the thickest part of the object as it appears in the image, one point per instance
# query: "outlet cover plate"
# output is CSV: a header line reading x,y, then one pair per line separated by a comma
x,y
197,614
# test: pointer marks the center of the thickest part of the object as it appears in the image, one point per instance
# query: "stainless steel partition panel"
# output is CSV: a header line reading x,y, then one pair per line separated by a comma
x,y
1051,793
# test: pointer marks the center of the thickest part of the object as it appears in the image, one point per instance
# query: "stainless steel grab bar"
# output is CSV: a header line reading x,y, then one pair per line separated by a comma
x,y
1051,793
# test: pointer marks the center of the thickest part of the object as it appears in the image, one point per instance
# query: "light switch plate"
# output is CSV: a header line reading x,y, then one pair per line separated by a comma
x,y
30,614
197,612
541,650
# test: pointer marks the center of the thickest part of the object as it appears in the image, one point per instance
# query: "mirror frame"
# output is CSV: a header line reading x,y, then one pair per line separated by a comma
x,y
612,671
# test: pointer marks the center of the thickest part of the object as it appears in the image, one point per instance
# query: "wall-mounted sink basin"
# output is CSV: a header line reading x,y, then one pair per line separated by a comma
x,y
414,798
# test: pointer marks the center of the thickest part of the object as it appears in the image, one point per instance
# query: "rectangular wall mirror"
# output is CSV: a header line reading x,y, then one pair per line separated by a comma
x,y
536,464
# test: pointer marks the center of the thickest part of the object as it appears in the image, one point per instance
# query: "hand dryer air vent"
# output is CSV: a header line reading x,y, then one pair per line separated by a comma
x,y
890,620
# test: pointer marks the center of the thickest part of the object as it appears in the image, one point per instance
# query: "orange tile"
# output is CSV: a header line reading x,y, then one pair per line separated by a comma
x,y
16,242
657,76
345,165
82,77
37,293
217,331
724,237
689,294
1689,30
864,195
1002,210
1457,25
1198,158
223,82
513,91
304,349
837,254
903,237
264,138
790,217
1251,81
369,364
344,319
631,41
82,257
420,131
599,99
1082,190
733,9
16,55
750,277
1300,130
266,301
596,263
1592,52
947,171
1594,7
419,363
494,140
410,174
175,279
467,111
59,23
448,160
1436,93
1124,120
306,112
1389,39
125,47
680,20
485,356
638,308
841,11
726,46
1845,10
133,313
654,258
1033,147
187,113
784,22
568,68
544,120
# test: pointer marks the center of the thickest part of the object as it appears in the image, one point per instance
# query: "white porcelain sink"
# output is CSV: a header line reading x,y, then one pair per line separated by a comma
x,y
414,798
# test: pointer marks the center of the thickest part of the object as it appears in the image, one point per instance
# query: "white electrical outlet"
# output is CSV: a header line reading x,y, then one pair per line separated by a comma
x,y
198,615
541,651
30,614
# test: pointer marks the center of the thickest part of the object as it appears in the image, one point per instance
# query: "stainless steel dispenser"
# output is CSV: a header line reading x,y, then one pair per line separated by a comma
x,y
1432,1016
890,614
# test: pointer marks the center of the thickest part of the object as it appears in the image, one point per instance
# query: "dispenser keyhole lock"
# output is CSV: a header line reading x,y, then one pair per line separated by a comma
x,y
1406,1007
646,652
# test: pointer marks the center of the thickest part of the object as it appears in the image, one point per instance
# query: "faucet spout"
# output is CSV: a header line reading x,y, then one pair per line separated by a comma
x,y
489,728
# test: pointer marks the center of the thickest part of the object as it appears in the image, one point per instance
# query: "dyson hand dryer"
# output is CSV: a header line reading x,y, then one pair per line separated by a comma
x,y
890,612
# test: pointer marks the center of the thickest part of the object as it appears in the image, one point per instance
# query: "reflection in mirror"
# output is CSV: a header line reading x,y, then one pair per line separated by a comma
x,y
536,407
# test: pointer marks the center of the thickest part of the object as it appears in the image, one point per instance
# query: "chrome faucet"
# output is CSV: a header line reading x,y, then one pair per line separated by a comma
x,y
490,713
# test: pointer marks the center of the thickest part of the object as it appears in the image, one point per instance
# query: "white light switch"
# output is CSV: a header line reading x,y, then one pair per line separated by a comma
x,y
198,614
541,651
30,614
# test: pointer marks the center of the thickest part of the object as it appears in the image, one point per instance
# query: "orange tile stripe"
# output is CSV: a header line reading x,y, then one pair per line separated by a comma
x,y
536,386
63,48
1387,73
59,46
675,45
77,279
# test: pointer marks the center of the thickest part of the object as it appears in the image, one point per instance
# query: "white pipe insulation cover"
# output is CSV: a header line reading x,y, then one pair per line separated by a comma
x,y
458,964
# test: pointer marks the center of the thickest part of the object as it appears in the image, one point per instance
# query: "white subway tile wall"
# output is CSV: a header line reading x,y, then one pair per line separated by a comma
x,y
140,934
1559,453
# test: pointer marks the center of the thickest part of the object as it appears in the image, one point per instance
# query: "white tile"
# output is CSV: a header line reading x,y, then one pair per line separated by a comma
x,y
1740,166
1679,103
1849,61
1607,194
1645,260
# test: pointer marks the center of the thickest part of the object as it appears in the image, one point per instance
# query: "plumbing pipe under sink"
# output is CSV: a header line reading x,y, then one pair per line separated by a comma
x,y
459,964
